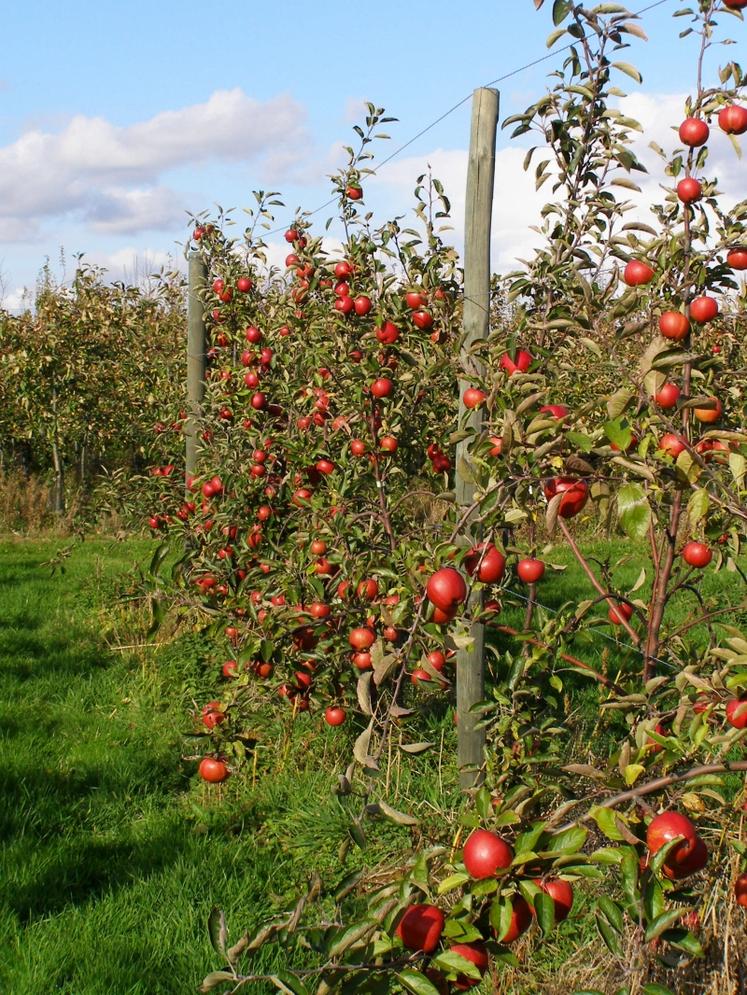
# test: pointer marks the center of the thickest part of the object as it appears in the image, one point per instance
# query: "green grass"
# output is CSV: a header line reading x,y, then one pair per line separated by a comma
x,y
112,853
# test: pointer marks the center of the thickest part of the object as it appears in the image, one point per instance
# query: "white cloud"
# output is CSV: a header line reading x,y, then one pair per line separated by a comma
x,y
109,174
516,203
17,300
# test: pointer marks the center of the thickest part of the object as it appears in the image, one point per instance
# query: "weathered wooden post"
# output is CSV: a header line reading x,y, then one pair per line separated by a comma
x,y
477,222
196,349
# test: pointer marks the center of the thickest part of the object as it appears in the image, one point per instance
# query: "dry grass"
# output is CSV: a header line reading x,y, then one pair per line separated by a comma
x,y
26,507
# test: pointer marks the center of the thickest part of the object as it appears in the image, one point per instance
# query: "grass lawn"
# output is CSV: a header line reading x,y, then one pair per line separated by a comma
x,y
112,854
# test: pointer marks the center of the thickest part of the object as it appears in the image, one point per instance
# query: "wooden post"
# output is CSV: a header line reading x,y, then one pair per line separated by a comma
x,y
196,349
477,221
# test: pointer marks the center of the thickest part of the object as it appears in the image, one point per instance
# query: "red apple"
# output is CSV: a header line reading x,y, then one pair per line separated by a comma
x,y
561,893
703,309
733,119
674,325
637,273
575,494
446,589
420,928
478,955
485,854
492,563
696,554
736,713
212,770
334,715
530,570
694,132
689,190
521,918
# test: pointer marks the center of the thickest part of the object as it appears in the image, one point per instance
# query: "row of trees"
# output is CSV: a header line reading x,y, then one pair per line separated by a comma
x,y
90,377
329,554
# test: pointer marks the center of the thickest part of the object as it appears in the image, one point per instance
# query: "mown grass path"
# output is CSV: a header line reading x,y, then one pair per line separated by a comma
x,y
108,866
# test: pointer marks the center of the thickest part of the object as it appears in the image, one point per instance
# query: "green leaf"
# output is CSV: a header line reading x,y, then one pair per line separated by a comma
x,y
625,67
451,882
417,983
654,989
612,913
633,510
662,922
453,963
560,10
697,506
288,984
544,906
606,819
570,841
610,937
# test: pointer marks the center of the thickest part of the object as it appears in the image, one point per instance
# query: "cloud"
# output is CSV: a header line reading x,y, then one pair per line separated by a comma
x,y
516,203
109,174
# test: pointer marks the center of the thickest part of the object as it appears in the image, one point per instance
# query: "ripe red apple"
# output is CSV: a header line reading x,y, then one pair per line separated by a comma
x,y
666,827
357,447
476,953
703,309
672,444
422,319
420,927
733,119
473,397
212,770
446,589
382,387
353,192
556,410
637,273
362,305
735,4
736,713
368,589
694,132
621,611
344,304
697,554
674,325
575,494
712,414
387,333
362,638
334,715
485,854
561,893
244,284
737,259
689,190
530,570
492,566
212,715
520,362
415,300
388,444
740,890
688,865
521,918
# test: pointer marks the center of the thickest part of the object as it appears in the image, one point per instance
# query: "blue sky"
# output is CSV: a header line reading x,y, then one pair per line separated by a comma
x,y
115,119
